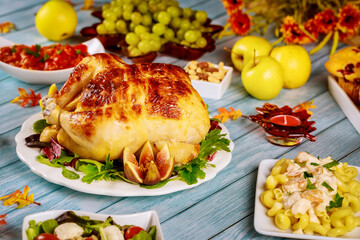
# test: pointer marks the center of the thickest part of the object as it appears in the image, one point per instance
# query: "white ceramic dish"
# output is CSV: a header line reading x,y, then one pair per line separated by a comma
x,y
351,111
45,77
213,90
266,226
111,188
143,219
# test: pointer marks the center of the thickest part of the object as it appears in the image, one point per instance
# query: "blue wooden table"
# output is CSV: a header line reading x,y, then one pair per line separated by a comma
x,y
222,208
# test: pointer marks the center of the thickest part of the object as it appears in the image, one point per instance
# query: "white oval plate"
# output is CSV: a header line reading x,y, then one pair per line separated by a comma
x,y
45,77
265,225
143,219
110,188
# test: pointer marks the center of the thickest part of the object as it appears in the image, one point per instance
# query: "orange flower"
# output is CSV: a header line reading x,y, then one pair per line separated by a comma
x,y
311,27
325,21
348,24
232,5
293,34
240,22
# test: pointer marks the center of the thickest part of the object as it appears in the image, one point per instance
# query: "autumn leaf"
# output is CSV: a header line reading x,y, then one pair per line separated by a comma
x,y
23,199
305,106
2,219
87,4
26,98
5,27
225,114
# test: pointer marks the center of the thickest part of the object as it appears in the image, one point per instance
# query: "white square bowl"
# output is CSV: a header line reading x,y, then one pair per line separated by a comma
x,y
213,90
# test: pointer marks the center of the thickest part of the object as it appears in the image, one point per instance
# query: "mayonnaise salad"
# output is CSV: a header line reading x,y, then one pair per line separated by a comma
x,y
311,185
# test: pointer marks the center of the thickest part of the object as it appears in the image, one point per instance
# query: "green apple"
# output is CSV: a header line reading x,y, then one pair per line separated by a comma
x,y
263,77
245,49
296,64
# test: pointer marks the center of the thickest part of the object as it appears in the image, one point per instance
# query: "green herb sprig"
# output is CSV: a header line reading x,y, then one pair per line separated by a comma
x,y
336,203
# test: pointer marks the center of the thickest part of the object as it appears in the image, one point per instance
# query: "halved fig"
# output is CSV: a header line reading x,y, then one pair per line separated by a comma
x,y
132,169
146,155
152,175
164,163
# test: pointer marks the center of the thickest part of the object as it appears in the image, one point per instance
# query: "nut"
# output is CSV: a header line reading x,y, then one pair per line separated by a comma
x,y
211,69
203,76
203,64
206,71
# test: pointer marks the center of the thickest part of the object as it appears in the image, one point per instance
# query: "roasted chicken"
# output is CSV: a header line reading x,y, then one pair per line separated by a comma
x,y
107,104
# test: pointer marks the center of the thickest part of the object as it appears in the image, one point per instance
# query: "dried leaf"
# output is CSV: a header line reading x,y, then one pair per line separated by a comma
x,y
5,27
225,114
23,199
26,98
87,4
2,219
305,106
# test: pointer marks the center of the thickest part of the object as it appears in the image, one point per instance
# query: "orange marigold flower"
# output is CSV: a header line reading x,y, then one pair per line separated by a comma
x,y
311,27
232,6
240,23
349,21
325,21
292,33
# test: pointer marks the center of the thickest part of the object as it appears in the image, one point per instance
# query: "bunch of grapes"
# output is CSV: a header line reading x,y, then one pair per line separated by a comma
x,y
148,24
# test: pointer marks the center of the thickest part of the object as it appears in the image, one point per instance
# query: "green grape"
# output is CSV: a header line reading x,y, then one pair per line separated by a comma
x,y
176,23
136,2
159,29
184,42
127,15
201,16
191,36
101,29
180,33
156,15
134,52
164,18
131,39
154,37
105,6
152,7
201,42
109,25
146,36
187,12
155,45
185,24
112,4
146,20
196,24
128,7
119,2
174,11
140,29
161,6
127,1
143,7
136,17
120,26
132,26
173,3
169,34
117,10
175,40
144,46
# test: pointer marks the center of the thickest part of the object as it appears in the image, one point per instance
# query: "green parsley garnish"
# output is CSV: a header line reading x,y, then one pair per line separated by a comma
x,y
327,186
314,164
78,51
13,48
336,203
34,53
46,57
309,185
331,164
300,164
59,51
308,175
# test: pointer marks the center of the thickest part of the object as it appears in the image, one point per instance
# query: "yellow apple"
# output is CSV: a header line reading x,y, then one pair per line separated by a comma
x,y
296,64
263,78
245,48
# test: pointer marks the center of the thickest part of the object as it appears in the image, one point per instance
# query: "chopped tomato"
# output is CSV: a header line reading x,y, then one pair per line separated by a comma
x,y
132,231
53,57
46,236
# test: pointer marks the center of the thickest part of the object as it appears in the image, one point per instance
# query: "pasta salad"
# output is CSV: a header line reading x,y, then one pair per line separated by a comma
x,y
309,195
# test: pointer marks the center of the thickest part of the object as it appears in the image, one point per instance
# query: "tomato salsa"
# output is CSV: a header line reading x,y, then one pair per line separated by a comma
x,y
53,57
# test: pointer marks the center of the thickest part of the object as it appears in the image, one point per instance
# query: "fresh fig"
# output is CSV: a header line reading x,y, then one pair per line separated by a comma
x,y
146,155
164,163
152,175
132,169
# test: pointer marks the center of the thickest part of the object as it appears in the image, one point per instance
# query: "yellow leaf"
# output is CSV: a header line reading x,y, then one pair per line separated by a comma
x,y
23,199
87,4
5,27
305,106
226,115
